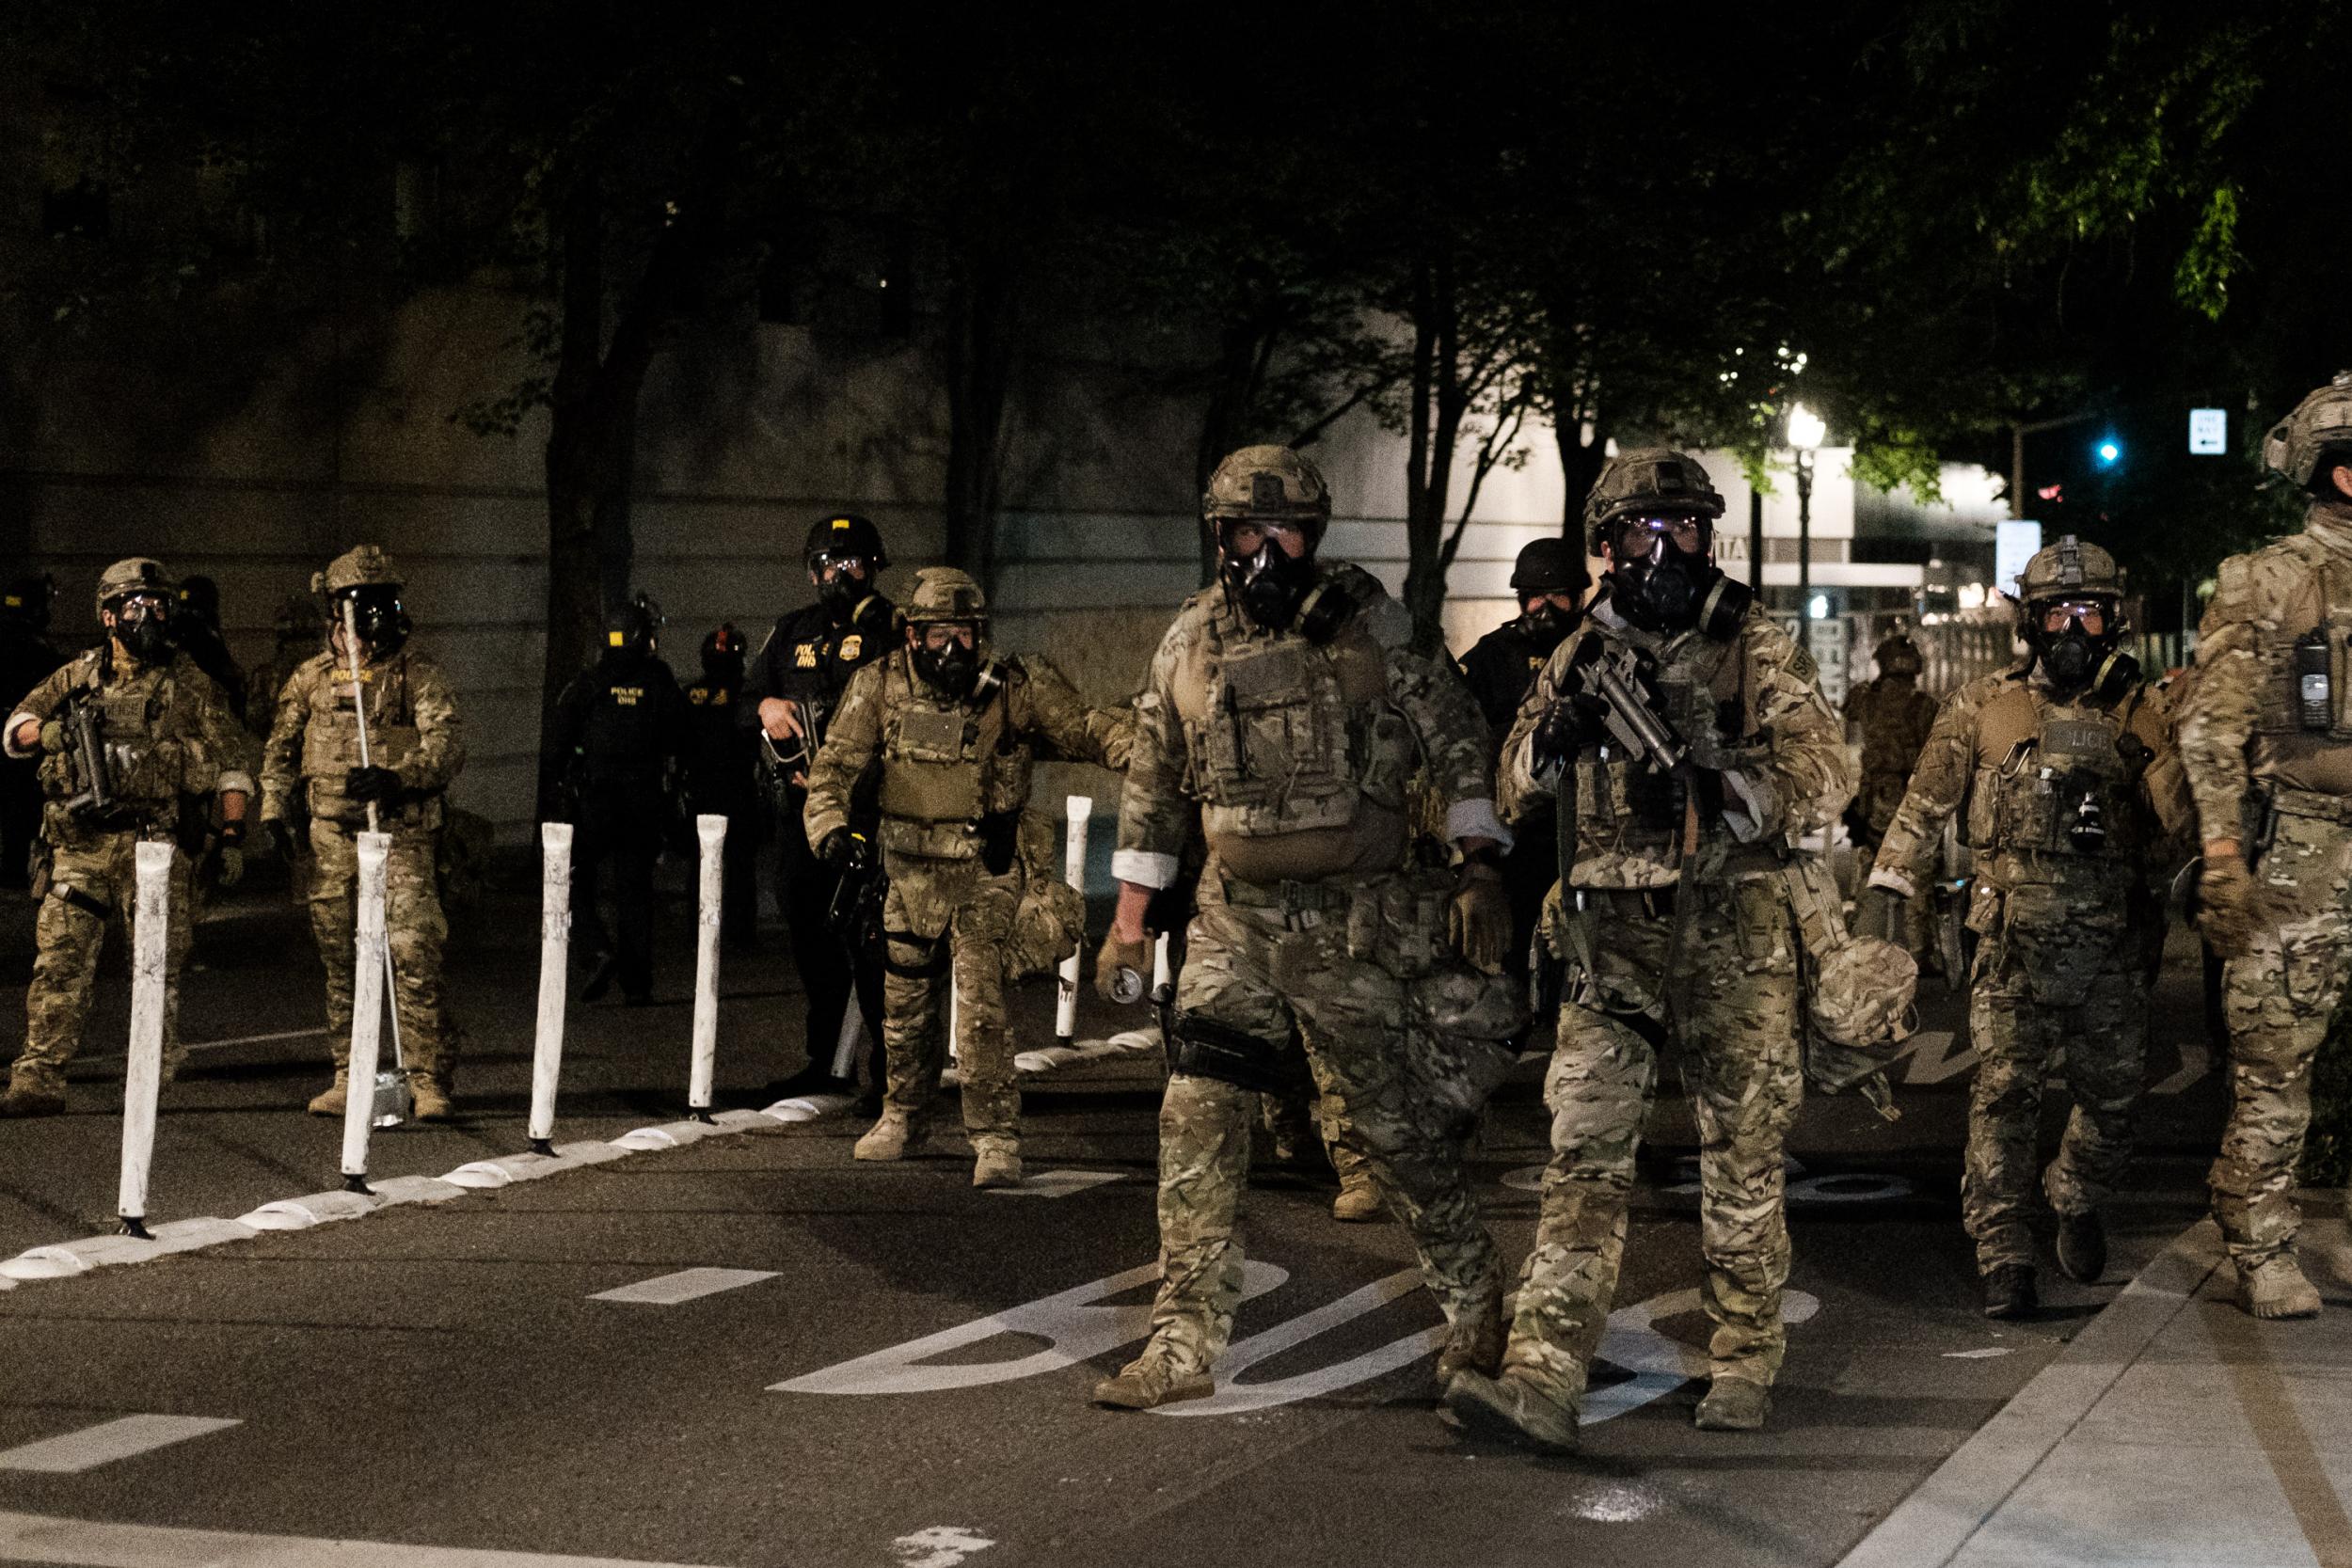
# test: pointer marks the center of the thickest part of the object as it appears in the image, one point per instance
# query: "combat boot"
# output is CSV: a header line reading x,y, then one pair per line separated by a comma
x,y
1733,1404
998,1166
1148,1381
1511,1409
2276,1288
430,1094
1358,1199
27,1097
893,1137
330,1103
1474,1344
2009,1291
2082,1246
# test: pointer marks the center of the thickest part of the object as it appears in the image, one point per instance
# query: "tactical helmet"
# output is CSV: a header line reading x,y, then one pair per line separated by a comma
x,y
27,599
1267,483
2070,569
2321,425
199,600
135,575
845,533
1896,655
367,566
1548,566
635,626
1648,480
945,593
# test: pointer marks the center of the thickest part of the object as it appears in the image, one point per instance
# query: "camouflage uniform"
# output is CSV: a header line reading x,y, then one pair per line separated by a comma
x,y
1294,753
955,778
1894,717
2264,774
1739,954
171,743
2070,927
413,730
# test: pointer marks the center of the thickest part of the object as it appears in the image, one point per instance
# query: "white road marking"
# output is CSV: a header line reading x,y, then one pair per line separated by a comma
x,y
939,1546
1060,1183
228,1044
686,1285
1234,1398
1975,1354
33,1538
106,1442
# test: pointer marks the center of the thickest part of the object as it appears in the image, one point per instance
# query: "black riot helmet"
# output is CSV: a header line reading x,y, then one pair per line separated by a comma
x,y
632,631
722,657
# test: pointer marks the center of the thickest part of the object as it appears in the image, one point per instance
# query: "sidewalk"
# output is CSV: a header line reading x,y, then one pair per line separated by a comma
x,y
2175,1430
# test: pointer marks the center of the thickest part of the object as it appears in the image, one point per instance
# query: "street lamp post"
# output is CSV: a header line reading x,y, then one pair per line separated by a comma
x,y
1805,431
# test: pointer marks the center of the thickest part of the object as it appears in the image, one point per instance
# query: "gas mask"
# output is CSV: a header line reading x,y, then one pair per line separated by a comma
x,y
952,669
840,592
1270,584
143,625
1661,579
376,612
1544,623
2075,657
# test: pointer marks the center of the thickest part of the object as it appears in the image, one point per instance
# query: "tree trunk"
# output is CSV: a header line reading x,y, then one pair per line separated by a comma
x,y
1433,429
980,366
1242,352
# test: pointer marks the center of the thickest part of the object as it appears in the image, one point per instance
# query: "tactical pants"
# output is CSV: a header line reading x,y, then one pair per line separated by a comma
x,y
1295,1122
417,931
946,924
86,883
1264,971
2279,1000
831,981
620,834
1738,960
2078,990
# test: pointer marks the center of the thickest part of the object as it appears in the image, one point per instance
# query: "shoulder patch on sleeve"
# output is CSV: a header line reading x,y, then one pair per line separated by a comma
x,y
1801,663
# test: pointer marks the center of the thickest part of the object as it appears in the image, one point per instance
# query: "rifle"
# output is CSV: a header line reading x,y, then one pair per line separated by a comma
x,y
87,749
1612,686
854,913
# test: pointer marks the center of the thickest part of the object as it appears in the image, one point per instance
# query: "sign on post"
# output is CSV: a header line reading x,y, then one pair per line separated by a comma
x,y
2208,432
2013,545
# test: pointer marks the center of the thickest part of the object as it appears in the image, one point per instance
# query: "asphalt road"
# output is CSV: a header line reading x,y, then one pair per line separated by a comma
x,y
897,1372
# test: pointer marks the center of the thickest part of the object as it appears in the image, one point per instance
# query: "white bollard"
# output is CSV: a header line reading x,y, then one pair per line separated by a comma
x,y
1073,870
367,1010
143,1076
712,832
555,942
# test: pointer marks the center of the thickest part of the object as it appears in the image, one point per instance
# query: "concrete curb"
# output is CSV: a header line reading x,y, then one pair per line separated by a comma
x,y
1931,1526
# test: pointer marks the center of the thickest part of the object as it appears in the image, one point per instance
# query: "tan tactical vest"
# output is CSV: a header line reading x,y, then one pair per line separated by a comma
x,y
2056,779
134,713
2311,588
945,766
1299,757
1630,818
331,743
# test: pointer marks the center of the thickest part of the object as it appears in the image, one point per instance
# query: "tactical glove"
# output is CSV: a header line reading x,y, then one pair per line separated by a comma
x,y
1478,918
2232,905
1570,724
1133,958
372,783
52,736
839,849
230,869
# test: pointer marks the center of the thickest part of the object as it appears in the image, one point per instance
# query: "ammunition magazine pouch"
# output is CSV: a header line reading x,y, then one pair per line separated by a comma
x,y
935,950
1203,1047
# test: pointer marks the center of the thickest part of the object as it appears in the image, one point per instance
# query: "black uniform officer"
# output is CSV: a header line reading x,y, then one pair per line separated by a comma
x,y
195,631
621,728
1550,579
27,659
796,679
721,753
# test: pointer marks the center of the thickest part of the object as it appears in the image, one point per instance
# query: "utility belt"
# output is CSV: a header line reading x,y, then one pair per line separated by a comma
x,y
1294,898
2311,804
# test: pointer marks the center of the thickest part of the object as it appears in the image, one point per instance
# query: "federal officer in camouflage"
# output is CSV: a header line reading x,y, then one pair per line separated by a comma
x,y
2064,775
2266,738
166,745
1894,717
1677,917
953,727
1286,712
311,765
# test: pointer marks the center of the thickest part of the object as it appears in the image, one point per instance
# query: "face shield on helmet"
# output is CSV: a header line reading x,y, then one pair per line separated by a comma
x,y
376,614
142,622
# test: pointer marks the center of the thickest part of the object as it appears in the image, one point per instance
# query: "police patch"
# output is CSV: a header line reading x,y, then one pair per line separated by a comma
x,y
850,644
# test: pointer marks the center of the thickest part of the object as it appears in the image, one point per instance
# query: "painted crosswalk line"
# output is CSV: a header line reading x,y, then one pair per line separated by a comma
x,y
668,1289
35,1538
121,1438
1060,1183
